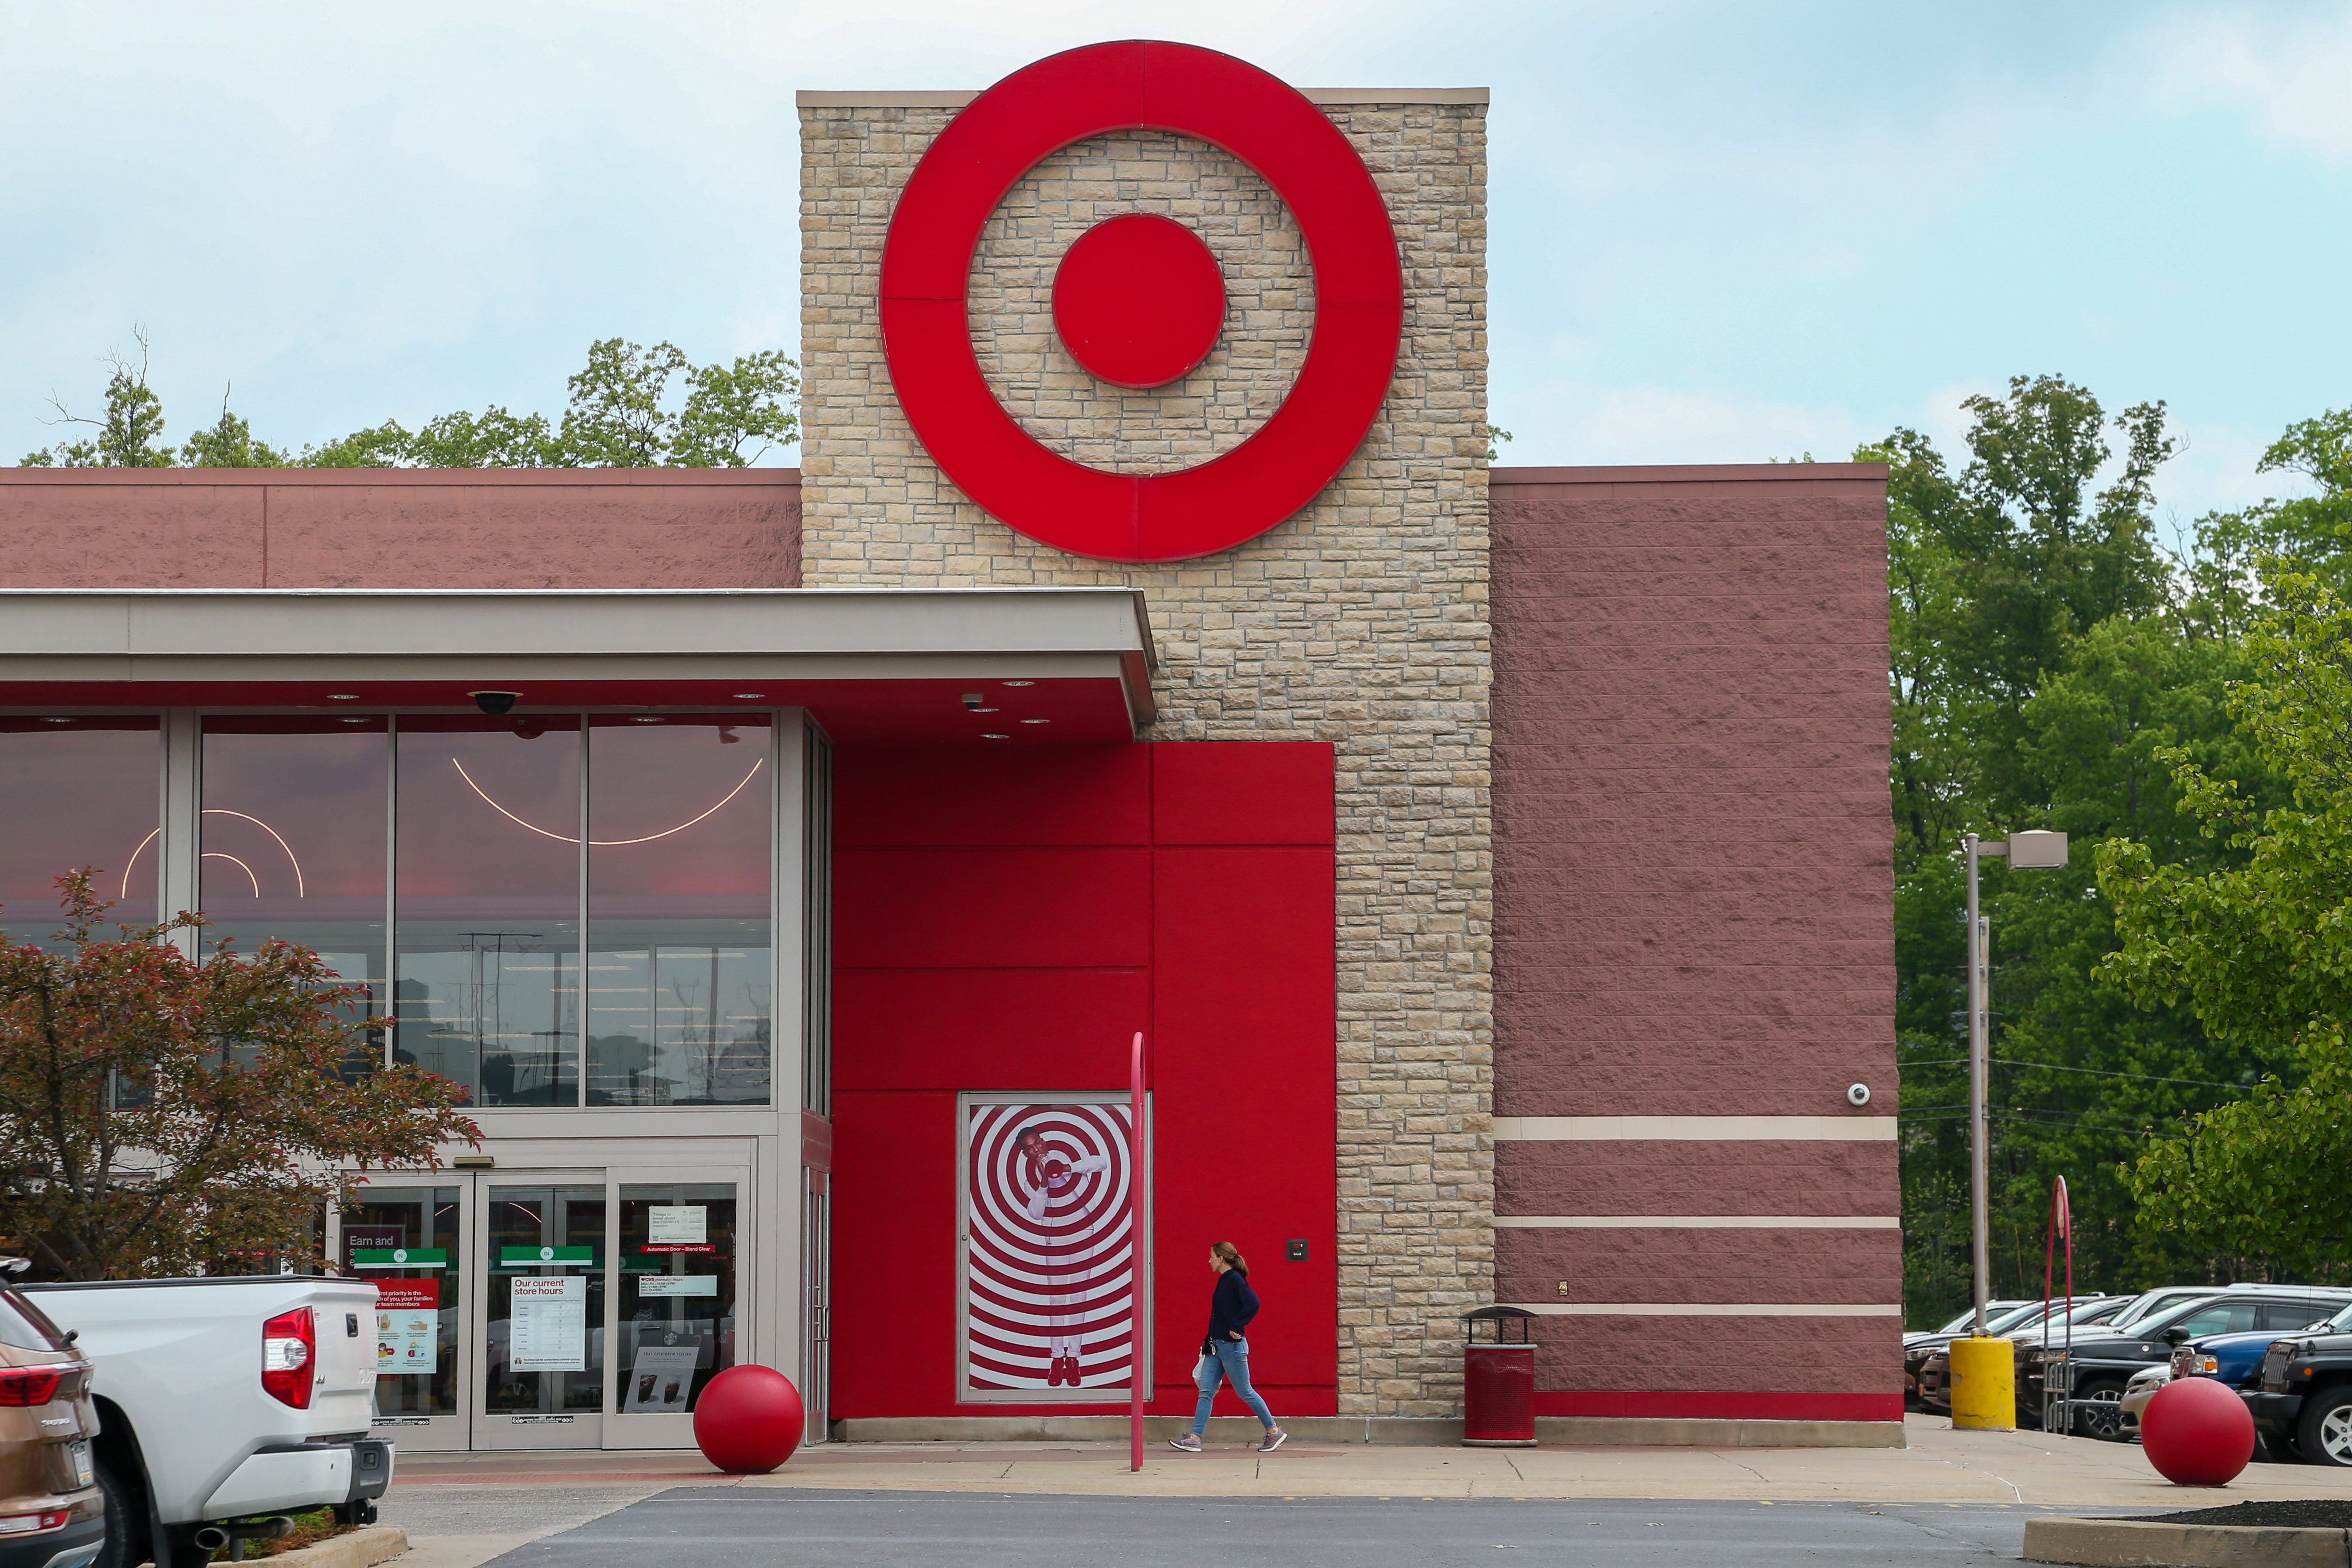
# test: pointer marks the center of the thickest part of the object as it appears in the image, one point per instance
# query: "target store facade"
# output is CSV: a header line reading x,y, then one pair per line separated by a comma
x,y
1495,861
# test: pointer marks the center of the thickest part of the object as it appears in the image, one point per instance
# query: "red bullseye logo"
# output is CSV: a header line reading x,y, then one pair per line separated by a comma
x,y
1139,302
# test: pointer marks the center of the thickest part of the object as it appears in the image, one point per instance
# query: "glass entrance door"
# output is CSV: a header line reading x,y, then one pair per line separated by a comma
x,y
410,1243
551,1309
540,1374
675,1319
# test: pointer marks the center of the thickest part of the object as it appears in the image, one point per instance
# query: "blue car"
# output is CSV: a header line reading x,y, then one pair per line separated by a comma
x,y
2235,1359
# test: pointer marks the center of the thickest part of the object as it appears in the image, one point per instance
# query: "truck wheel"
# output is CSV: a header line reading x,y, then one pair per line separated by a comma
x,y
121,1550
2325,1429
2098,1410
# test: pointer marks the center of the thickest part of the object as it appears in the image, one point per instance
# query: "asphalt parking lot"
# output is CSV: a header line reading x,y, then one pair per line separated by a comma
x,y
734,1527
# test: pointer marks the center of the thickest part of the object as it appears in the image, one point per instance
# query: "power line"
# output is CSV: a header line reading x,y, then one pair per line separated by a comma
x,y
2094,1071
1961,1114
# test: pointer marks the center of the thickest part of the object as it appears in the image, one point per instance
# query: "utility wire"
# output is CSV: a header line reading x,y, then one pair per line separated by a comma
x,y
2094,1071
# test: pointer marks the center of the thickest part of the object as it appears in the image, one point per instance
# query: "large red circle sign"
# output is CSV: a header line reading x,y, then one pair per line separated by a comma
x,y
1095,91
1138,301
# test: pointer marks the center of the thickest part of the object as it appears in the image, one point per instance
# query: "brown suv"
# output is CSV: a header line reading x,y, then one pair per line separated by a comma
x,y
52,1514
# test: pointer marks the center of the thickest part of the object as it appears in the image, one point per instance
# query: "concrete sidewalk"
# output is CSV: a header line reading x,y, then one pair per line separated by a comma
x,y
1940,1466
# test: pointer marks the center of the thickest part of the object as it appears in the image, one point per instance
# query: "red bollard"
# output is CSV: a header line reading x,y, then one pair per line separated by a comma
x,y
749,1420
2197,1432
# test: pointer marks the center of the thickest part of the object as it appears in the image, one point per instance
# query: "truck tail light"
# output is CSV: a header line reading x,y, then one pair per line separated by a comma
x,y
289,1347
28,1385
32,1524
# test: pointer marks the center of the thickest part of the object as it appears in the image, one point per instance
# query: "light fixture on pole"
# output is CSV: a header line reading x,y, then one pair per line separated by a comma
x,y
2033,850
1983,1388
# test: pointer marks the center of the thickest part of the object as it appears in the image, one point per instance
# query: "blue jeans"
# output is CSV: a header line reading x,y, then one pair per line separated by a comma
x,y
1230,1364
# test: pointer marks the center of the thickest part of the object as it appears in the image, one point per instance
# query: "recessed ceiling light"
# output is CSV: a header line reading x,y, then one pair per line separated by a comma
x,y
646,719
987,710
1037,721
354,721
749,696
56,721
994,736
342,697
1019,683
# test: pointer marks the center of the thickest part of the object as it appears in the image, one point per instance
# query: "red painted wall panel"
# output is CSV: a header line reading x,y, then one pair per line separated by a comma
x,y
903,796
1268,792
992,931
894,1238
986,1028
1247,1114
983,909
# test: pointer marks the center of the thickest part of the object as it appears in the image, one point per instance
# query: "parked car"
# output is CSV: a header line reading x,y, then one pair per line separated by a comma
x,y
225,1400
52,1514
2305,1397
1935,1372
2094,1373
2235,1359
1918,1346
2148,1379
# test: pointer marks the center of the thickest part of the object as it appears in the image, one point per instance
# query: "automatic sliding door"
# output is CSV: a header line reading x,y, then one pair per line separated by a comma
x,y
408,1241
677,1318
541,1377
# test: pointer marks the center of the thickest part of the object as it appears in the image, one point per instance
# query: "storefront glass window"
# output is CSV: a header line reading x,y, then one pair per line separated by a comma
x,y
405,1241
680,811
77,792
294,818
487,846
677,1292
545,1353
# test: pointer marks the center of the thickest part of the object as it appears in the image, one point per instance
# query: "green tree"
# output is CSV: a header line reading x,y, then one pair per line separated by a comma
x,y
2261,952
629,407
160,1115
229,443
622,412
129,434
2042,655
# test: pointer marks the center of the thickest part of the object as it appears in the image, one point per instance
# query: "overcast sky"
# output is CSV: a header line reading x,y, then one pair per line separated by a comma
x,y
1720,233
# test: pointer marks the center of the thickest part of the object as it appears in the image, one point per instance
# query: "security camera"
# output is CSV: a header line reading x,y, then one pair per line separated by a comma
x,y
1857,1094
495,703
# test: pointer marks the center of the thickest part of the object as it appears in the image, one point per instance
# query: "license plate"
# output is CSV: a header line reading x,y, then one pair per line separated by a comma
x,y
79,1451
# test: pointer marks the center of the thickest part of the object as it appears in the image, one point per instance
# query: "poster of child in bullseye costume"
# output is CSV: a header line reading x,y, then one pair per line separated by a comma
x,y
1048,1279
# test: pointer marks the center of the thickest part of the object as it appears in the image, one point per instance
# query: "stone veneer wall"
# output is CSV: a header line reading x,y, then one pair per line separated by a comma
x,y
1362,621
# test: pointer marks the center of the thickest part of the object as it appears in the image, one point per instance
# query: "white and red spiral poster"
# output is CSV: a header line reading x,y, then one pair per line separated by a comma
x,y
1048,1271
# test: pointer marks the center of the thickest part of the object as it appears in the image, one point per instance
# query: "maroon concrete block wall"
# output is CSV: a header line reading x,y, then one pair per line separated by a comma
x,y
1694,918
386,527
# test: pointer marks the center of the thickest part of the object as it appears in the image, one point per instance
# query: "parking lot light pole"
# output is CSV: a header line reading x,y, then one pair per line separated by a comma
x,y
2031,849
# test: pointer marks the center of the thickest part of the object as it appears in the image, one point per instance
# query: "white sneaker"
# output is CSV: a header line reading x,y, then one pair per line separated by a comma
x,y
1187,1444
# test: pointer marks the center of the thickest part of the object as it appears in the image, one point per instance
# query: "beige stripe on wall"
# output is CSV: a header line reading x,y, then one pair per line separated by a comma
x,y
1705,1310
1697,1222
1692,1129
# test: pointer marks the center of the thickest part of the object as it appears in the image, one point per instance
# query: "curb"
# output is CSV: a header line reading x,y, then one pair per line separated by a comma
x,y
2133,1543
1428,1431
362,1548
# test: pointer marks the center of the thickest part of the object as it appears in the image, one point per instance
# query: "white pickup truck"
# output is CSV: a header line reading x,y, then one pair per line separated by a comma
x,y
223,1401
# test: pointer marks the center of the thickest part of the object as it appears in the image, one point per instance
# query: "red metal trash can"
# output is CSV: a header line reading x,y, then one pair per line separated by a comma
x,y
1498,1383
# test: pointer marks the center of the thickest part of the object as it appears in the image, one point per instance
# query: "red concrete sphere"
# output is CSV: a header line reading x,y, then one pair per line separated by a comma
x,y
749,1420
2197,1432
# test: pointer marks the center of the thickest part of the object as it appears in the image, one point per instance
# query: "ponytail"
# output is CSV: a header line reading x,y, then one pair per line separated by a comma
x,y
1231,1254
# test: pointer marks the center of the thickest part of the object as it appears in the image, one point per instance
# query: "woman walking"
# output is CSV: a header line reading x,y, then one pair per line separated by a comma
x,y
1224,1354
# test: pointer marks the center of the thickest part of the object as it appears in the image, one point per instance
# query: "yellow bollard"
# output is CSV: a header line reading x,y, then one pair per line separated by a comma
x,y
1984,1384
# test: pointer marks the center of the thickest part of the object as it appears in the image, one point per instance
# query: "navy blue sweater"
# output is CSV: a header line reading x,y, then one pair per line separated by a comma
x,y
1231,1307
